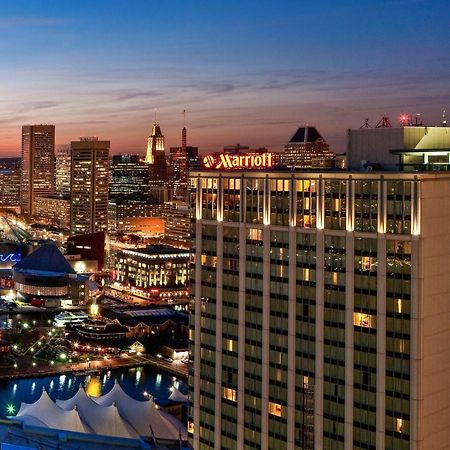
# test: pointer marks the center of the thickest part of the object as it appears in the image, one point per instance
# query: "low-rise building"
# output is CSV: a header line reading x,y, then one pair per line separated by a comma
x,y
54,210
160,267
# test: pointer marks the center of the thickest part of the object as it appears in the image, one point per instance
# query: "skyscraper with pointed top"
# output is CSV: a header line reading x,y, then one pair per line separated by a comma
x,y
155,144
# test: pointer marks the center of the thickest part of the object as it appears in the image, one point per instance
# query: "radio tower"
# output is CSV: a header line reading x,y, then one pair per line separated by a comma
x,y
184,133
183,174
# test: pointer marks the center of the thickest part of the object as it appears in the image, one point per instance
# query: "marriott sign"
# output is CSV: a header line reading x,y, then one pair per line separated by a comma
x,y
230,161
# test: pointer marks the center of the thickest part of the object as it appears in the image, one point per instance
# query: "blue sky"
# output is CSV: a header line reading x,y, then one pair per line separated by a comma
x,y
245,71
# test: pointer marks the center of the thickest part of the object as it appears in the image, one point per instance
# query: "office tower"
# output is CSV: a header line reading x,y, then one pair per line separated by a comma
x,y
160,173
155,144
129,193
129,177
192,160
307,149
10,182
156,157
89,181
178,164
38,155
321,313
62,170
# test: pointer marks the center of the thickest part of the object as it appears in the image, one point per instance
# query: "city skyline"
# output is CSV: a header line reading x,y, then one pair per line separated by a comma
x,y
245,72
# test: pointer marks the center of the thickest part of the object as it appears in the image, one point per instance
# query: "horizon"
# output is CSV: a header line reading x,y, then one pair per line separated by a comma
x,y
245,72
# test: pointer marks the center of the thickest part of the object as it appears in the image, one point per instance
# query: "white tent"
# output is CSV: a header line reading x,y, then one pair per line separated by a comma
x,y
145,417
102,420
45,411
113,414
177,396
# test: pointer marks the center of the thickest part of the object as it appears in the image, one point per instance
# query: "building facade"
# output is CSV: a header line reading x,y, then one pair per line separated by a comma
x,y
158,267
129,177
54,210
320,311
38,165
10,187
89,181
62,170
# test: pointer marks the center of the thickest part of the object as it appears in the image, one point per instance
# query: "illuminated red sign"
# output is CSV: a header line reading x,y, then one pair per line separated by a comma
x,y
229,161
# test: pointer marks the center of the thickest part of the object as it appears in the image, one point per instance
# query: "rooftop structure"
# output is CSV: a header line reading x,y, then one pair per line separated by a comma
x,y
408,148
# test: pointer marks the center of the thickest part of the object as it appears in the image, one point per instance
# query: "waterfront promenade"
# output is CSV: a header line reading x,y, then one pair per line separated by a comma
x,y
178,369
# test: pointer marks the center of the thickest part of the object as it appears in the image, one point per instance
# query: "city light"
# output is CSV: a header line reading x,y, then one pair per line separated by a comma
x,y
10,409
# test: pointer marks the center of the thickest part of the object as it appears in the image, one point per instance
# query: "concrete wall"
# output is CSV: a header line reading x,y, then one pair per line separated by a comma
x,y
434,307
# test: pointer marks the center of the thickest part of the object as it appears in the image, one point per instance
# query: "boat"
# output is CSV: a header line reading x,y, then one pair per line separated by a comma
x,y
70,318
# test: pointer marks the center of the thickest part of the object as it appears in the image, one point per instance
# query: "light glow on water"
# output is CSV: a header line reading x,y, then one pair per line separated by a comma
x,y
134,382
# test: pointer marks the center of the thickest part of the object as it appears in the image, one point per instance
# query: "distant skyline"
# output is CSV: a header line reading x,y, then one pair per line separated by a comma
x,y
247,72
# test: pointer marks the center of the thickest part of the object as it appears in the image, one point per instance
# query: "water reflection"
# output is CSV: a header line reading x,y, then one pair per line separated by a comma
x,y
134,381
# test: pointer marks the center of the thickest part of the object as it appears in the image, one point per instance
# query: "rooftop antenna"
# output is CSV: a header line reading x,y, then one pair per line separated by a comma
x,y
365,124
384,122
418,121
184,117
444,119
156,109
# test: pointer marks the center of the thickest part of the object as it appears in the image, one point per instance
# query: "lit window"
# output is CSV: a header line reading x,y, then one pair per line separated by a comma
x,y
278,375
306,274
363,320
367,263
399,306
255,234
230,345
190,427
275,409
399,425
334,277
229,394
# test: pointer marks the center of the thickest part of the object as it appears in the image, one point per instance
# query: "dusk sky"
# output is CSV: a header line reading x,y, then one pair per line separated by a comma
x,y
245,71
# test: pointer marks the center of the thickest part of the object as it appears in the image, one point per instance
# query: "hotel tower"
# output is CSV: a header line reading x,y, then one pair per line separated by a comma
x,y
320,312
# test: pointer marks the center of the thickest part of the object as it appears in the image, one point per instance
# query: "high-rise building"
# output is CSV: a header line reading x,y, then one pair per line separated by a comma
x,y
129,177
89,185
62,170
129,193
10,182
320,317
38,164
160,173
192,160
307,149
156,157
178,164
